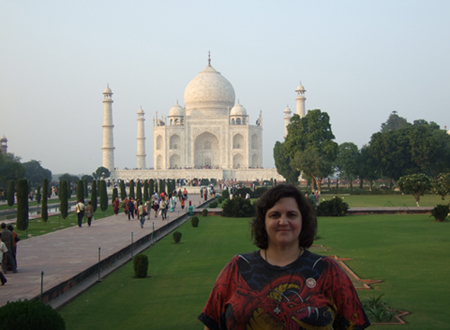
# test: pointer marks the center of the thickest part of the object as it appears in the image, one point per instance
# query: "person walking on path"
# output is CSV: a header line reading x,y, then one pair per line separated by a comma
x,y
148,206
141,214
116,206
89,212
163,207
7,238
3,251
79,210
130,209
16,238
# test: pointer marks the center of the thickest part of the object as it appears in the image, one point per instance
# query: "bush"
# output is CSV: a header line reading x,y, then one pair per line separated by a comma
x,y
213,205
225,194
378,310
238,207
220,199
140,263
334,207
205,212
259,191
177,237
242,192
194,221
440,212
30,314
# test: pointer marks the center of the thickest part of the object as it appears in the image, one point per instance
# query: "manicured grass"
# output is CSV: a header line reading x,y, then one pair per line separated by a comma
x,y
408,252
388,200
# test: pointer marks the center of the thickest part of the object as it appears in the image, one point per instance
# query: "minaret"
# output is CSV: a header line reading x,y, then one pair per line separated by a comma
x,y
140,139
108,138
300,100
4,145
287,118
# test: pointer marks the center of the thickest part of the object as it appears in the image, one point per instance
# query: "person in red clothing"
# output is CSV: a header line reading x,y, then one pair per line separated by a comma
x,y
116,206
16,239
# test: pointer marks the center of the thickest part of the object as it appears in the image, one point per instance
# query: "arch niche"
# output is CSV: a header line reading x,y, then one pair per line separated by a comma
x,y
175,161
206,150
254,160
159,142
255,142
238,161
175,142
238,141
159,162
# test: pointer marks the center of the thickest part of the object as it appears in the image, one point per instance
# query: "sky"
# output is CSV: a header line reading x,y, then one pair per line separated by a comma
x,y
358,61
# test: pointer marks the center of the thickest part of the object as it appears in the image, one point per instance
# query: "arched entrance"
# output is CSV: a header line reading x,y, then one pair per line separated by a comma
x,y
206,151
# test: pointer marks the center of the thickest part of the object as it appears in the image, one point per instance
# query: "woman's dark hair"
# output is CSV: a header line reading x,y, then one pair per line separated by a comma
x,y
268,200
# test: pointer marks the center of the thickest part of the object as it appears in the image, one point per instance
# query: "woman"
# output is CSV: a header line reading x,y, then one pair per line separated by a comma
x,y
89,213
116,206
141,214
283,286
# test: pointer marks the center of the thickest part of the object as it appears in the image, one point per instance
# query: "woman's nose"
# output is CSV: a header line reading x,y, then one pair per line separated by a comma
x,y
283,220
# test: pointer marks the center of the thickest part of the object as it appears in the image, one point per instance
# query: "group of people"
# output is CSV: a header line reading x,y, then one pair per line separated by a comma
x,y
82,210
8,250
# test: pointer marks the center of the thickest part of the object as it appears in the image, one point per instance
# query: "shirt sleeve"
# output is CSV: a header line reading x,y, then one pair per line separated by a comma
x,y
350,313
213,315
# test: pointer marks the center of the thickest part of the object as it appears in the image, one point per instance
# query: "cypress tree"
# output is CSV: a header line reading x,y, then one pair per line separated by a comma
x,y
10,193
69,190
114,194
85,184
22,204
151,187
94,195
59,189
139,190
161,186
123,192
44,210
132,189
103,196
63,196
80,191
38,194
145,190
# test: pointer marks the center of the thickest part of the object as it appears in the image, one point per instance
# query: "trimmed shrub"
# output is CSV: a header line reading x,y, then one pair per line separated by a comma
x,y
115,194
10,193
80,191
140,264
242,192
333,208
177,237
259,191
220,200
103,196
94,194
44,209
205,212
30,314
440,212
123,192
22,204
194,221
238,207
38,195
64,206
213,205
225,194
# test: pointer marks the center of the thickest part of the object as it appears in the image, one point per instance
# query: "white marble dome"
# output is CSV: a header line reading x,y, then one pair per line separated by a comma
x,y
176,111
209,92
238,110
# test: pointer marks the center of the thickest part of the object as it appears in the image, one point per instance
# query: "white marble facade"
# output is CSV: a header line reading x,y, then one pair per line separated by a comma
x,y
210,132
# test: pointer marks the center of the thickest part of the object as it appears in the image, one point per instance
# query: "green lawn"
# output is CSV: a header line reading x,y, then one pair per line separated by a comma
x,y
388,200
408,252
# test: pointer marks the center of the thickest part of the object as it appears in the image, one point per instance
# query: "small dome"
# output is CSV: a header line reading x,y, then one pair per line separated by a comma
x,y
176,110
238,110
4,138
287,110
140,111
300,88
107,90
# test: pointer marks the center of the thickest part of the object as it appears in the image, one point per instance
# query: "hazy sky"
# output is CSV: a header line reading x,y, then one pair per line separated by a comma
x,y
358,61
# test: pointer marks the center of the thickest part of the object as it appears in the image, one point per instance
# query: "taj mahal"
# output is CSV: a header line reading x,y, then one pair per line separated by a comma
x,y
209,137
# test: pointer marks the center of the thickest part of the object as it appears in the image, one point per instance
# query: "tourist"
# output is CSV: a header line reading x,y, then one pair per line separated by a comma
x,y
8,260
283,283
116,204
163,206
156,207
247,196
148,206
3,251
183,201
130,209
141,214
16,239
89,213
79,210
173,202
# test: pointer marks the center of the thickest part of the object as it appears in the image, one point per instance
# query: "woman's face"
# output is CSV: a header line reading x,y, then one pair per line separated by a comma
x,y
283,224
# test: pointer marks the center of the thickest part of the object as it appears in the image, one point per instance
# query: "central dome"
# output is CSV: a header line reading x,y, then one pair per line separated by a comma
x,y
209,92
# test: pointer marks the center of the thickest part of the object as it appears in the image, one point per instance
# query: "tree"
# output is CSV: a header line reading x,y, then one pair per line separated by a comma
x,y
394,122
69,178
87,178
11,192
162,185
367,168
94,194
145,190
151,187
347,161
101,173
283,164
132,196
441,185
139,190
85,187
22,204
10,168
123,192
44,209
415,184
80,191
35,173
309,145
38,194
114,194
63,196
103,196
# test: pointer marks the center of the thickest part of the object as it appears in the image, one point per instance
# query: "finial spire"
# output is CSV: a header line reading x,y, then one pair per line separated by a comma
x,y
209,58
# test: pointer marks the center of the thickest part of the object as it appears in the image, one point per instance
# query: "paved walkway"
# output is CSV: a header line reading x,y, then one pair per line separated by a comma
x,y
63,254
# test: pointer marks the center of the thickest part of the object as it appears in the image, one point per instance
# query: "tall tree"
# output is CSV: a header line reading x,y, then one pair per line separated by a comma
x,y
87,178
69,178
415,184
114,194
101,173
38,194
64,200
347,161
151,187
139,190
85,186
94,194
35,173
123,192
283,163
11,192
10,168
145,190
22,204
441,185
309,145
132,195
393,123
80,191
367,169
103,196
44,209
